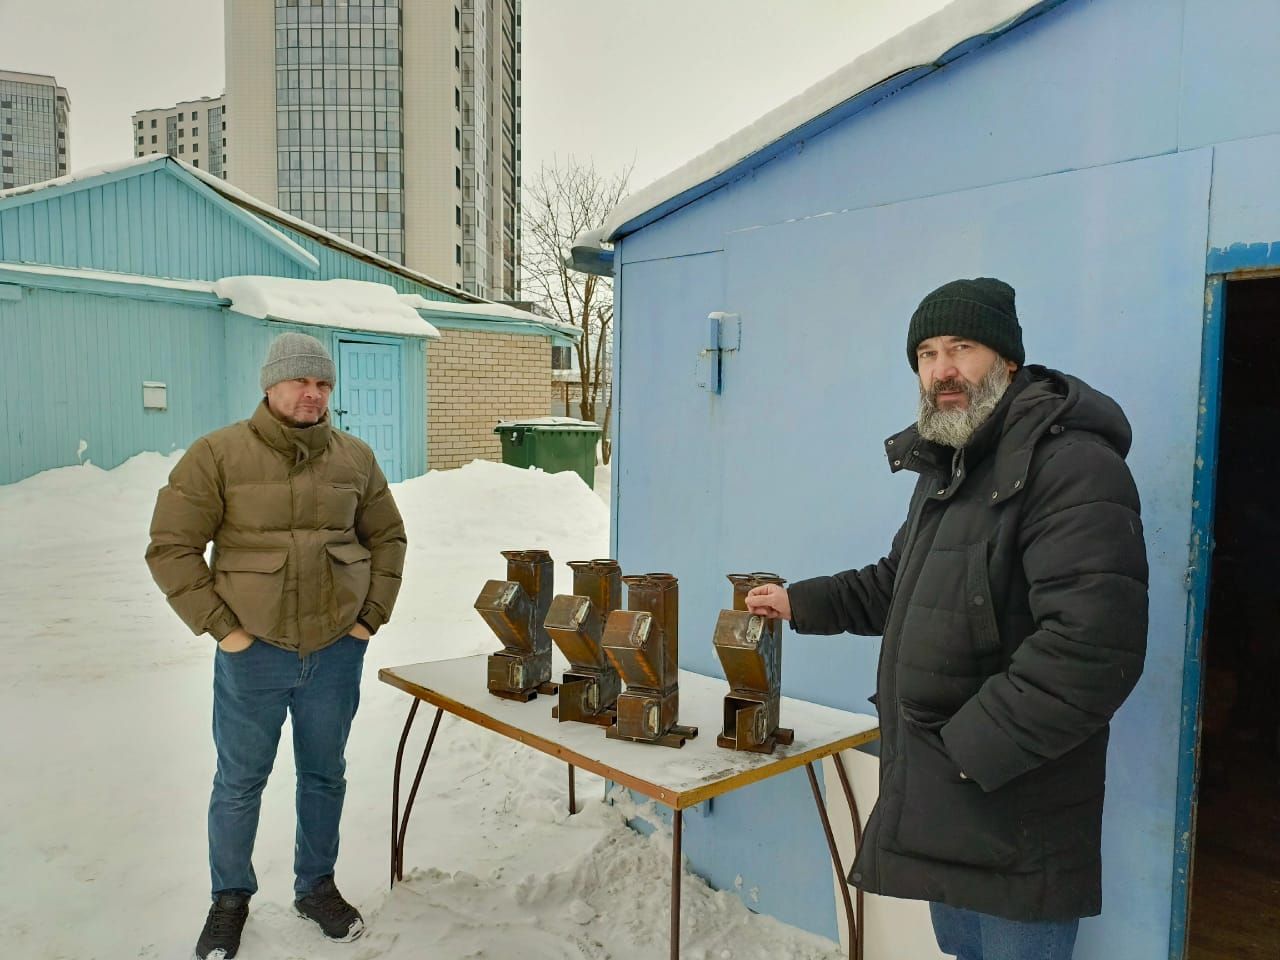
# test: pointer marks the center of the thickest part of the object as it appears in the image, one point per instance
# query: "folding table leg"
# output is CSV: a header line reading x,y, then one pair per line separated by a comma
x,y
835,859
677,826
573,786
838,759
400,825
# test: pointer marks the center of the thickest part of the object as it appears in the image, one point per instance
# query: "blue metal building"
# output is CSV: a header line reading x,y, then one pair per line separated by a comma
x,y
116,342
1115,160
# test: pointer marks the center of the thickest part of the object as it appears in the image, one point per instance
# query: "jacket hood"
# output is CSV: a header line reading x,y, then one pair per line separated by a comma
x,y
1085,408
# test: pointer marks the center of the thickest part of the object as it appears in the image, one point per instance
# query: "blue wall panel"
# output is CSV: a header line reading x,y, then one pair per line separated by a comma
x,y
1246,194
1029,103
667,476
73,370
1230,70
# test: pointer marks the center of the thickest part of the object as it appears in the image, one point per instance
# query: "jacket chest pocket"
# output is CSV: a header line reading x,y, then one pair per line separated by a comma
x,y
350,570
338,502
252,584
983,627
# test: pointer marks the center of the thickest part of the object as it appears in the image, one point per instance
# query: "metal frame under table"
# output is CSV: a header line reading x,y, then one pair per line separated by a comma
x,y
678,779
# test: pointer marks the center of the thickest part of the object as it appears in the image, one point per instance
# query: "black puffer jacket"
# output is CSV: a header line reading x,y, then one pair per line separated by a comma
x,y
1013,607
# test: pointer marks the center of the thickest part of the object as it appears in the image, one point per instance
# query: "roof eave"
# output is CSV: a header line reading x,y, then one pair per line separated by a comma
x,y
845,109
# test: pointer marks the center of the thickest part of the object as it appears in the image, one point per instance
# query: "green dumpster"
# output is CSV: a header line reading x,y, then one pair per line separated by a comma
x,y
553,444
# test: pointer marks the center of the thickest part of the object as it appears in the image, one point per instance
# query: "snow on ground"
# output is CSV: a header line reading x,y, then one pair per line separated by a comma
x,y
107,757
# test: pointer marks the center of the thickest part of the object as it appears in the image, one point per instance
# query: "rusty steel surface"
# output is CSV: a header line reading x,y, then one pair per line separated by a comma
x,y
516,610
643,644
590,687
750,650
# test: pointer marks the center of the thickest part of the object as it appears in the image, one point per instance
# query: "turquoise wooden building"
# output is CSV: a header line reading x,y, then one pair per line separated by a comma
x,y
119,338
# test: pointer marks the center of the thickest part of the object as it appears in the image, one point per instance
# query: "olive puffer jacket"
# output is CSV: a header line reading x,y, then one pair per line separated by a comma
x,y
1013,607
306,536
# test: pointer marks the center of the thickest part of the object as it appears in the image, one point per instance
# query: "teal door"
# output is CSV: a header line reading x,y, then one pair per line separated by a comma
x,y
369,404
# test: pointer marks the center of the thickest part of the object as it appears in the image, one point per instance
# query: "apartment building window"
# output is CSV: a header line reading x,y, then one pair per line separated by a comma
x,y
457,138
195,148
195,114
182,148
457,58
182,132
457,177
195,131
457,255
195,163
139,124
153,123
140,139
153,138
457,215
180,118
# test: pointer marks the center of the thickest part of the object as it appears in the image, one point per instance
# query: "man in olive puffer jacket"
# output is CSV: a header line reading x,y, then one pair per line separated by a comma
x,y
308,548
1013,611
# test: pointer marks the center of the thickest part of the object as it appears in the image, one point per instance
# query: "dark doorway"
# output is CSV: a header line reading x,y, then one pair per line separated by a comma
x,y
1235,888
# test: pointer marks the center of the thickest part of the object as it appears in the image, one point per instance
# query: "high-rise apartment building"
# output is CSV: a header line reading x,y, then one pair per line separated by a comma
x,y
34,117
393,123
194,131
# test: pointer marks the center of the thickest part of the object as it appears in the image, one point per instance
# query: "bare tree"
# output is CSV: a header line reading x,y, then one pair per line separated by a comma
x,y
564,201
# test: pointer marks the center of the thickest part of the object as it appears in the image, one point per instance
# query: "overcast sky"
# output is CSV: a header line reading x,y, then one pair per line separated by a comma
x,y
612,81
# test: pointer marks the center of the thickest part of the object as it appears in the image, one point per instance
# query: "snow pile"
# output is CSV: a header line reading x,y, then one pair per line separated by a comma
x,y
107,758
349,304
921,44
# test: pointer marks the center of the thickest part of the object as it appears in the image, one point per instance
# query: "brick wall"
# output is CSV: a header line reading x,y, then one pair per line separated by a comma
x,y
474,380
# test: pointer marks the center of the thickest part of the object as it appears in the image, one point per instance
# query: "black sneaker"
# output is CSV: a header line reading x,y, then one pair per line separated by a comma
x,y
220,938
338,919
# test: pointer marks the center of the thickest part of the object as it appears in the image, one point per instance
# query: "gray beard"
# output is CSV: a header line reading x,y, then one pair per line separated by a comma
x,y
955,428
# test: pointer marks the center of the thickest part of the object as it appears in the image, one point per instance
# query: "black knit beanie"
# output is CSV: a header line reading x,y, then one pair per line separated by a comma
x,y
980,309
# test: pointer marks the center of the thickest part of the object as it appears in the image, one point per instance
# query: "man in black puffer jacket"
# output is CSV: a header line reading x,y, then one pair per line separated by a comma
x,y
1013,607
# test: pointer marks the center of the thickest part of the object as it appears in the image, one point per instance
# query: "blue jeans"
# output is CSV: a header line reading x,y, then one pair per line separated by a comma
x,y
968,935
252,691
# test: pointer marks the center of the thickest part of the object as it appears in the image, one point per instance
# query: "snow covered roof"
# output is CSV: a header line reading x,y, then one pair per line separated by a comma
x,y
108,276
489,311
956,29
87,173
254,205
348,304
463,306
238,196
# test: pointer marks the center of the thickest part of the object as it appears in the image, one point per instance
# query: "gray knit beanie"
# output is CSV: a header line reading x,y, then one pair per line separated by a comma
x,y
294,355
